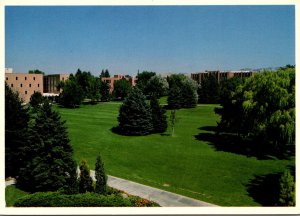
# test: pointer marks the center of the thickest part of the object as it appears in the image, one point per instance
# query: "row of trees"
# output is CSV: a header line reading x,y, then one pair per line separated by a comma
x,y
38,152
262,108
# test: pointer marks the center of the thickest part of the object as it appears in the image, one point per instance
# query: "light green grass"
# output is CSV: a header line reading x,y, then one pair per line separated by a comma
x,y
188,166
12,194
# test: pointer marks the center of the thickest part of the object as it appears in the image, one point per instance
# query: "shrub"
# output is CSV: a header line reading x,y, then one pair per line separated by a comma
x,y
287,189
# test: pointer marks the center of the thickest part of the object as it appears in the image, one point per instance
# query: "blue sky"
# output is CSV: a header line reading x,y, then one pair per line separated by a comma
x,y
126,39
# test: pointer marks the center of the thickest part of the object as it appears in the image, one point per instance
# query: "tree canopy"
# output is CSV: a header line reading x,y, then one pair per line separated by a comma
x,y
122,88
143,78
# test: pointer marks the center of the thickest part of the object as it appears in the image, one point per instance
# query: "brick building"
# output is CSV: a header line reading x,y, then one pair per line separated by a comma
x,y
220,75
51,81
111,80
25,84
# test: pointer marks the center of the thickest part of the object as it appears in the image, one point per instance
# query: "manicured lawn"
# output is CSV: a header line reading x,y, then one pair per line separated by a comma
x,y
182,164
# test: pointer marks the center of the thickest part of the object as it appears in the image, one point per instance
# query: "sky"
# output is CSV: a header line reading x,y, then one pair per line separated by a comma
x,y
125,39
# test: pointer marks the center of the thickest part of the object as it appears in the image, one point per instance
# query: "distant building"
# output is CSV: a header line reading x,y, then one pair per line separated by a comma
x,y
25,84
220,75
111,80
51,81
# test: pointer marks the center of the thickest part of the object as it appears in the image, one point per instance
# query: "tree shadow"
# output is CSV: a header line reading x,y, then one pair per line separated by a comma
x,y
265,189
233,143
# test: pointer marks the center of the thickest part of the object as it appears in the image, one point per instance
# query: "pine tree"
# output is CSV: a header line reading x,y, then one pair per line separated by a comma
x,y
85,181
159,117
104,89
287,189
101,178
47,157
16,124
135,115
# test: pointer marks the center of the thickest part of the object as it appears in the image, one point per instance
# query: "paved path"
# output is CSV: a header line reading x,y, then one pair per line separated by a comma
x,y
163,198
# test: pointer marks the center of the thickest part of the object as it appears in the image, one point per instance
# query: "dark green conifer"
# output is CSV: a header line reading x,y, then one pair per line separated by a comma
x,y
85,181
101,178
159,118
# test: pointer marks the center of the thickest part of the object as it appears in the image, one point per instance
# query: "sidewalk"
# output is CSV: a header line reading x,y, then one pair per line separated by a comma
x,y
163,198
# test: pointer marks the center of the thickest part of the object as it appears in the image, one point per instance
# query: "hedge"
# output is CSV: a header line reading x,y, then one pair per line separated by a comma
x,y
56,199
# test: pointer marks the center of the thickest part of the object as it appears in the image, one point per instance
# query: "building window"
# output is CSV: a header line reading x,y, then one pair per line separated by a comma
x,y
33,78
6,78
25,78
16,78
30,85
25,92
11,85
38,85
21,85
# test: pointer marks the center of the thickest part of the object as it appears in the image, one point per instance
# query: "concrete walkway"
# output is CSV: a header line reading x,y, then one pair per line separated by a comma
x,y
163,198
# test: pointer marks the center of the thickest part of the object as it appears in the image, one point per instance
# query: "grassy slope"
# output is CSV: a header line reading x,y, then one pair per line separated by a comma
x,y
190,167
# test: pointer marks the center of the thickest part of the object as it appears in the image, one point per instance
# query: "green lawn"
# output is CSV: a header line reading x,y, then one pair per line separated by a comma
x,y
180,164
12,194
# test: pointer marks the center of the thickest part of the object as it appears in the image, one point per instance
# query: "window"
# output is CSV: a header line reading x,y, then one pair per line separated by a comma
x,y
38,85
25,92
30,85
33,78
25,78
21,85
6,78
11,85
16,78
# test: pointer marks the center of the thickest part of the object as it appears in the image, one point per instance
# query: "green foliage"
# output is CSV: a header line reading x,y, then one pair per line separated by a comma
x,y
159,118
36,71
104,91
12,194
47,156
104,73
122,88
182,92
94,92
143,78
101,178
85,181
72,94
36,99
16,123
209,90
287,189
135,115
264,108
156,87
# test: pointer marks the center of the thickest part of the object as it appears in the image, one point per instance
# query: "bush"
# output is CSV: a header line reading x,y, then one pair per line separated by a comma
x,y
56,199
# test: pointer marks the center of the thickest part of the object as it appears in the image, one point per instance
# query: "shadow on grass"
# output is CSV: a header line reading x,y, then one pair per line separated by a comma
x,y
232,143
265,189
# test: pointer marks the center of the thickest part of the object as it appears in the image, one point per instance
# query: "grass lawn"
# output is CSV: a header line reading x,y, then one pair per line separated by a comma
x,y
182,164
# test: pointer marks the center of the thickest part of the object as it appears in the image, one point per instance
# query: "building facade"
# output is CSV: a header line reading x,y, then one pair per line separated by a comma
x,y
220,75
51,82
25,84
111,80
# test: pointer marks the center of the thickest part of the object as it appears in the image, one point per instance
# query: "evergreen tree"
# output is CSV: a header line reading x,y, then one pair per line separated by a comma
x,y
159,117
85,181
48,162
16,124
174,98
135,115
36,99
122,88
106,73
101,178
287,189
72,186
104,90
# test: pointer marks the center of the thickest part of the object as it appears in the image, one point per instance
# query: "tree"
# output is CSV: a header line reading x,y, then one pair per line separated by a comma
x,y
159,118
156,86
135,115
16,135
173,119
85,181
72,94
287,189
48,156
122,88
106,73
36,99
100,175
36,71
94,89
143,78
104,91
209,90
182,92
